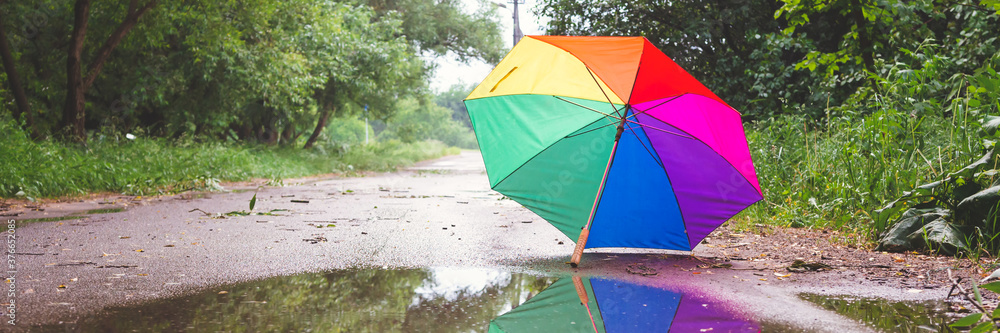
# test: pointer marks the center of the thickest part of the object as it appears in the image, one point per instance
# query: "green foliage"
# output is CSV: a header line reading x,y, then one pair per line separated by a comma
x,y
454,99
713,40
967,321
348,130
147,166
259,71
442,27
419,120
914,126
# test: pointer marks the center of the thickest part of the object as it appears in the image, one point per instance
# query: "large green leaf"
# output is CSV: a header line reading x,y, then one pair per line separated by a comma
x,y
990,125
992,286
898,238
969,320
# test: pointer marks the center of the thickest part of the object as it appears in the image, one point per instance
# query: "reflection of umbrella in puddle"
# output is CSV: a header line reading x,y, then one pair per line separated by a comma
x,y
600,305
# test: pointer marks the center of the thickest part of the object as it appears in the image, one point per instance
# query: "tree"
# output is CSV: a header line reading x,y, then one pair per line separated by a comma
x,y
14,80
441,26
264,71
77,82
454,99
713,40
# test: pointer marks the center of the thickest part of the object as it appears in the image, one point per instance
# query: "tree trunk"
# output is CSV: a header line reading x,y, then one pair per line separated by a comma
x,y
116,37
14,82
74,115
320,124
287,134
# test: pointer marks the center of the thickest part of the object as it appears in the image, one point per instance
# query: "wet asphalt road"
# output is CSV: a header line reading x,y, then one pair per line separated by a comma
x,y
438,213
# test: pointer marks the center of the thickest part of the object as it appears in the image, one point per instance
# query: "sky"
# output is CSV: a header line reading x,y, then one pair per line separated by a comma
x,y
450,71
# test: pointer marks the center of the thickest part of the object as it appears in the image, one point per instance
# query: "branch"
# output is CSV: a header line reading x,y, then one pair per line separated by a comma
x,y
116,37
965,293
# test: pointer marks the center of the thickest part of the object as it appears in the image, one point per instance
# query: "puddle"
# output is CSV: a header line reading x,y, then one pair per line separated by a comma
x,y
54,219
888,316
422,300
105,210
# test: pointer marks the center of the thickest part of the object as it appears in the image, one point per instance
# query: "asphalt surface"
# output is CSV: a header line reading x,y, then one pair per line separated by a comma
x,y
439,213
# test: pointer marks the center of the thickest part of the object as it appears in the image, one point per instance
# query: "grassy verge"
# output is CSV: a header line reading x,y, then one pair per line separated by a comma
x,y
911,127
837,174
155,166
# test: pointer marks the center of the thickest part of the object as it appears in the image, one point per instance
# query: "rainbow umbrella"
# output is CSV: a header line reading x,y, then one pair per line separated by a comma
x,y
612,143
607,306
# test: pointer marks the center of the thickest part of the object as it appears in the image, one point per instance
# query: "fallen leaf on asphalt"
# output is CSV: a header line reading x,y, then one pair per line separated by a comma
x,y
143,274
74,279
140,250
62,286
782,276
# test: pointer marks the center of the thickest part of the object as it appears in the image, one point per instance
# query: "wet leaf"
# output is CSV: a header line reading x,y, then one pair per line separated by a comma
x,y
967,320
982,328
992,286
990,125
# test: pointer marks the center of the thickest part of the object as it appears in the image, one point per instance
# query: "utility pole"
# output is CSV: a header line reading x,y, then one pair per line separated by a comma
x,y
517,24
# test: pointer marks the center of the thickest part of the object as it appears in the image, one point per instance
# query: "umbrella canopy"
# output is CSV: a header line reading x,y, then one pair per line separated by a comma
x,y
600,305
607,136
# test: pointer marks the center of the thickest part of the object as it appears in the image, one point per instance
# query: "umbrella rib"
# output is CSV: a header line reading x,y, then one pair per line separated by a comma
x,y
582,106
593,129
657,105
590,130
602,89
658,162
659,129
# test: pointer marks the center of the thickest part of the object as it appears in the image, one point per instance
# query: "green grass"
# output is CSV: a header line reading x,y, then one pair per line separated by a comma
x,y
105,211
148,166
913,123
835,174
54,219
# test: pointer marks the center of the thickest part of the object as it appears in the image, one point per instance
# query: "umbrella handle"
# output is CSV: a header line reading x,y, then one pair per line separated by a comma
x,y
580,290
578,251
